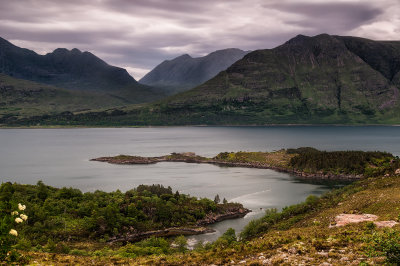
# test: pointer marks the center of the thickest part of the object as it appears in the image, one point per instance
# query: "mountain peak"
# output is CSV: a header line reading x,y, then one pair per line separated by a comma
x,y
184,56
185,72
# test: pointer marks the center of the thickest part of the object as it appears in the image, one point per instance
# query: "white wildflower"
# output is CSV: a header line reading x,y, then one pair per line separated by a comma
x,y
23,217
18,220
13,232
14,213
21,207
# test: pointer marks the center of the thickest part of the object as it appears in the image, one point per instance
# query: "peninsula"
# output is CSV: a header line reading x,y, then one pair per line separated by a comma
x,y
305,162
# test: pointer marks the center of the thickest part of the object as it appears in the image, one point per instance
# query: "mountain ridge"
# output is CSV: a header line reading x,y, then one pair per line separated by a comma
x,y
185,72
73,70
323,79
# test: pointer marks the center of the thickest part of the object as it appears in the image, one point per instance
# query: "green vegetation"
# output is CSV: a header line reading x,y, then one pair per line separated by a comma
x,y
305,162
67,214
22,98
344,162
299,234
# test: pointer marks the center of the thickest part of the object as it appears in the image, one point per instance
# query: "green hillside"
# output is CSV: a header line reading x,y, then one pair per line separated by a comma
x,y
307,80
22,98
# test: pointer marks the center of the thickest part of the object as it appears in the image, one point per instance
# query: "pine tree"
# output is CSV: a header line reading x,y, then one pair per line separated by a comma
x,y
216,199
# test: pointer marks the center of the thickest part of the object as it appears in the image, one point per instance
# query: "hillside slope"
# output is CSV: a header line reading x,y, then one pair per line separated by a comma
x,y
184,72
307,80
22,98
73,70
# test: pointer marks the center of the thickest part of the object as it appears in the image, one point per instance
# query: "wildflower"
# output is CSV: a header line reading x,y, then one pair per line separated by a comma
x,y
13,232
24,217
21,207
18,220
14,213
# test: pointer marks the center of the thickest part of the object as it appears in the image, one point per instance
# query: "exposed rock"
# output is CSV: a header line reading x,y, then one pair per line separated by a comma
x,y
230,214
385,223
344,219
323,254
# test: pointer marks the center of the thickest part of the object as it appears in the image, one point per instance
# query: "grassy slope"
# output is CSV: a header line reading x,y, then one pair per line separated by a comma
x,y
304,238
25,98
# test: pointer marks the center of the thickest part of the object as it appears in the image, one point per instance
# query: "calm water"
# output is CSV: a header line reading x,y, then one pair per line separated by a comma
x,y
60,157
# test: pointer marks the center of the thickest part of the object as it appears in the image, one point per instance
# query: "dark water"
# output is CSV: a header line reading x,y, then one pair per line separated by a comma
x,y
60,157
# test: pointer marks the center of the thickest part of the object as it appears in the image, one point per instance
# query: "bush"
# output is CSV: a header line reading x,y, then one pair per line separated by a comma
x,y
386,243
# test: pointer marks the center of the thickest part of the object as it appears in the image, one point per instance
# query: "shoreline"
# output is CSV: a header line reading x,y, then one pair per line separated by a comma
x,y
192,158
198,229
200,125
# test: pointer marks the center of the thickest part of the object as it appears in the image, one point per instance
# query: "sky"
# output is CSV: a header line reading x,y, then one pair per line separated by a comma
x,y
140,34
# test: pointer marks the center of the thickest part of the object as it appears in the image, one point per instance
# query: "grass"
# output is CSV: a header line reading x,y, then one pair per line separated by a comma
x,y
22,98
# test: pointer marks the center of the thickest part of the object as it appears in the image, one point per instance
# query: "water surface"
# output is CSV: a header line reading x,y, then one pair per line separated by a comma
x,y
60,157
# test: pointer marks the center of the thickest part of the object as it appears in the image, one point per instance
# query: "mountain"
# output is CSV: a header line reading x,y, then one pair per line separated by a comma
x,y
73,70
185,72
322,79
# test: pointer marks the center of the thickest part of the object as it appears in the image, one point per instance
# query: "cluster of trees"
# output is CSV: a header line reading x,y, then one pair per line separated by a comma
x,y
69,214
343,162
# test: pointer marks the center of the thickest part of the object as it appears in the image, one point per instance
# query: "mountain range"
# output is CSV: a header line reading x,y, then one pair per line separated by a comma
x,y
320,79
73,70
185,72
324,79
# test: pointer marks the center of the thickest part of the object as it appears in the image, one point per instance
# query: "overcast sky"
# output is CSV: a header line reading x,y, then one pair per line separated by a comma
x,y
140,34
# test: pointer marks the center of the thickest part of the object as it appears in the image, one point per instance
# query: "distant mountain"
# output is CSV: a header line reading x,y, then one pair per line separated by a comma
x,y
320,79
323,79
74,70
185,72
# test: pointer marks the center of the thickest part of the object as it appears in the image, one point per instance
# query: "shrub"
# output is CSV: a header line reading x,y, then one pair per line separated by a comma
x,y
386,243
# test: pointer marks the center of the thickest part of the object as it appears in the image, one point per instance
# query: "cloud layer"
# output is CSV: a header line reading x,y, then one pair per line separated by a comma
x,y
139,34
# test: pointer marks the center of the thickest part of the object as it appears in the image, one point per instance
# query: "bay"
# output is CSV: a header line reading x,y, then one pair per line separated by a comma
x,y
61,157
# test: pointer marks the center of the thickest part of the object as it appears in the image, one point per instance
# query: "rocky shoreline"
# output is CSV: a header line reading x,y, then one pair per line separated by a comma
x,y
200,228
192,158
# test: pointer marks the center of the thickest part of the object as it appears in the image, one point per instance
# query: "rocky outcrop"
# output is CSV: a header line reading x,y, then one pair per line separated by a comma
x,y
231,214
345,219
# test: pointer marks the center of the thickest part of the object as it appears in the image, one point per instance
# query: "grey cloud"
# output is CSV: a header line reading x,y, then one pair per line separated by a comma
x,y
143,33
332,16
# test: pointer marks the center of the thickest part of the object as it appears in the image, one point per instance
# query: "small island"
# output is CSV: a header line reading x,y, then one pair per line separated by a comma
x,y
305,162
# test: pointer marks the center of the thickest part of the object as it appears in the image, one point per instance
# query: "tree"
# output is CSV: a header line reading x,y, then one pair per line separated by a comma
x,y
181,243
224,201
217,199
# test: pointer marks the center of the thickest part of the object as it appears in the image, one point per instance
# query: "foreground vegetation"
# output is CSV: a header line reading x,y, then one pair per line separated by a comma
x,y
61,218
300,234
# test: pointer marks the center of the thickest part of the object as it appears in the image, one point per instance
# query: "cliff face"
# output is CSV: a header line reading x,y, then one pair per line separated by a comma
x,y
185,72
